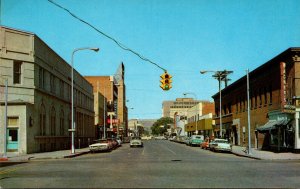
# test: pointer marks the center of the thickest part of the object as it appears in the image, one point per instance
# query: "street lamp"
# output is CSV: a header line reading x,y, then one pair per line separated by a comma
x,y
5,120
220,76
72,86
196,111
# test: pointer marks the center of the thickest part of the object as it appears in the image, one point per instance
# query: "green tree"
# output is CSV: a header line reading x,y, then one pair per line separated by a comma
x,y
161,125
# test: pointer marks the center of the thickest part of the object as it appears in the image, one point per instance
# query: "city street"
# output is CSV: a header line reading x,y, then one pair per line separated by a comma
x,y
160,164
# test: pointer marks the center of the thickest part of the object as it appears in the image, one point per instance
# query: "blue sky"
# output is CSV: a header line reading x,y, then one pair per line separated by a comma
x,y
182,36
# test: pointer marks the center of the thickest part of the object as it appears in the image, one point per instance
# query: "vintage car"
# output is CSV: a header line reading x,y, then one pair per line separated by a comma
x,y
136,142
220,145
101,145
205,144
196,140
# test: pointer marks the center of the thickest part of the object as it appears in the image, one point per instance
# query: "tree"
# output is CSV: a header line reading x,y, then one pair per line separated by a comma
x,y
161,125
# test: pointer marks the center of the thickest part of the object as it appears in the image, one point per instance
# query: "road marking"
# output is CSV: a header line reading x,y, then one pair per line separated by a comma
x,y
5,171
169,150
143,153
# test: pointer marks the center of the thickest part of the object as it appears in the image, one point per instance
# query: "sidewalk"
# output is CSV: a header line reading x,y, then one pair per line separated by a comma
x,y
264,155
15,157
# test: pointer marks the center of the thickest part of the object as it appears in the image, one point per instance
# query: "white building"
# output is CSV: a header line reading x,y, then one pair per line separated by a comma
x,y
39,96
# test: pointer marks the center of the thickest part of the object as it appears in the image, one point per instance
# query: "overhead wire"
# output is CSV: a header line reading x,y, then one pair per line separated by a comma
x,y
122,46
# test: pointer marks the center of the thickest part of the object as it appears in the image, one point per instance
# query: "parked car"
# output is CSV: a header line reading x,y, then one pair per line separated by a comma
x,y
196,140
119,141
146,137
114,142
136,142
101,145
187,140
220,145
205,144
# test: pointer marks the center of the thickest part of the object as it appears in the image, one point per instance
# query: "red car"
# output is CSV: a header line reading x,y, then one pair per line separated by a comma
x,y
205,144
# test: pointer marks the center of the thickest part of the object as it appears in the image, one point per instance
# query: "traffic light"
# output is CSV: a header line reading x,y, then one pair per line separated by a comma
x,y
166,81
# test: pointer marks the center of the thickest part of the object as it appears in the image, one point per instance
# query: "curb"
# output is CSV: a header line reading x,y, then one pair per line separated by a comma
x,y
251,157
75,155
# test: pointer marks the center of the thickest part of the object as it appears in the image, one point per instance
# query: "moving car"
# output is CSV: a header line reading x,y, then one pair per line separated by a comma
x,y
220,145
136,142
101,145
196,140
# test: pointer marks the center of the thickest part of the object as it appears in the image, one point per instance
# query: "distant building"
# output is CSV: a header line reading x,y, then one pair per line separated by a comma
x,y
199,119
114,92
147,124
180,105
274,105
39,97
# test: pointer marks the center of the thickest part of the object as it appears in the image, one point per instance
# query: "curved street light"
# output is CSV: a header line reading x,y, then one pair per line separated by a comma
x,y
72,87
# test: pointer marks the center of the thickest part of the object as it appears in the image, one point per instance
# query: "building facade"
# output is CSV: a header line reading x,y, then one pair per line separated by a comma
x,y
199,119
39,97
274,89
112,88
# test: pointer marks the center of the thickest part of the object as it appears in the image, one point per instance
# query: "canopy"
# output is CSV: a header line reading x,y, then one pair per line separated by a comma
x,y
272,124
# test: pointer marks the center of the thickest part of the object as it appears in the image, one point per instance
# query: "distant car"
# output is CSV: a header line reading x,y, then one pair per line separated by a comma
x,y
146,137
136,142
101,145
205,144
196,140
220,145
160,138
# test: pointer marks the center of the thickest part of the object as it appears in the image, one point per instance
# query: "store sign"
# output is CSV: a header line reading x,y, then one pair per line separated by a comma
x,y
114,121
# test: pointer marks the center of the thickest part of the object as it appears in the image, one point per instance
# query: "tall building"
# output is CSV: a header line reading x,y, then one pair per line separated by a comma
x,y
114,91
39,97
274,105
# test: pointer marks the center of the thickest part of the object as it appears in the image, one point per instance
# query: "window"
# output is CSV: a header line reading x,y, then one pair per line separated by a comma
x,y
52,122
61,123
42,78
17,72
52,83
61,88
260,98
270,91
42,121
265,95
13,121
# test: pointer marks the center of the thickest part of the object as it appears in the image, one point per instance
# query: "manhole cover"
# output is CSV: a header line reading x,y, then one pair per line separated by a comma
x,y
176,160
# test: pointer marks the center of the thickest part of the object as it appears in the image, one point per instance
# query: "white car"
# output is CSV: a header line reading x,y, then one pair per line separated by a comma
x,y
101,145
136,142
220,145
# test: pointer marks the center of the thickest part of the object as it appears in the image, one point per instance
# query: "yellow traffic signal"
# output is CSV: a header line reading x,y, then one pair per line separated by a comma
x,y
166,81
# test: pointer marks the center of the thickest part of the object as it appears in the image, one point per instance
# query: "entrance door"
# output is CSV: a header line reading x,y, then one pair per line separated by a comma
x,y
12,140
235,135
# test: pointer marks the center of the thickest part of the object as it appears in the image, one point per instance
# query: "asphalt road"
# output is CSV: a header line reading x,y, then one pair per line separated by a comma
x,y
160,164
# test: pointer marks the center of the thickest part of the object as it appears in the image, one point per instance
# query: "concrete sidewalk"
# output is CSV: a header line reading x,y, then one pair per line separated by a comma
x,y
264,155
15,157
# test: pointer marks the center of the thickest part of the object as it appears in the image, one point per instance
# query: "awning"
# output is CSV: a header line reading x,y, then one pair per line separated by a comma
x,y
272,124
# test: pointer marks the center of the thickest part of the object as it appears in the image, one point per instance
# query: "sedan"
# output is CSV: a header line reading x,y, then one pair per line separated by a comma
x,y
101,145
220,145
136,142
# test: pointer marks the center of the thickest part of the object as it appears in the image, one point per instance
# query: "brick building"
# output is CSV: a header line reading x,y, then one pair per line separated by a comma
x,y
112,88
274,89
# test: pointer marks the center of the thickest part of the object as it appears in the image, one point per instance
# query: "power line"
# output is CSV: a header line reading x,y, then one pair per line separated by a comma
x,y
122,46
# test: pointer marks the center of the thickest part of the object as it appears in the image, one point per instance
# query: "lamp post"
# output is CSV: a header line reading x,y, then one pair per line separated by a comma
x,y
72,99
196,111
5,121
220,76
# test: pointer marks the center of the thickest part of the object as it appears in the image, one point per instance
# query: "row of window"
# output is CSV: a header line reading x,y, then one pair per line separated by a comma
x,y
186,103
258,98
63,90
